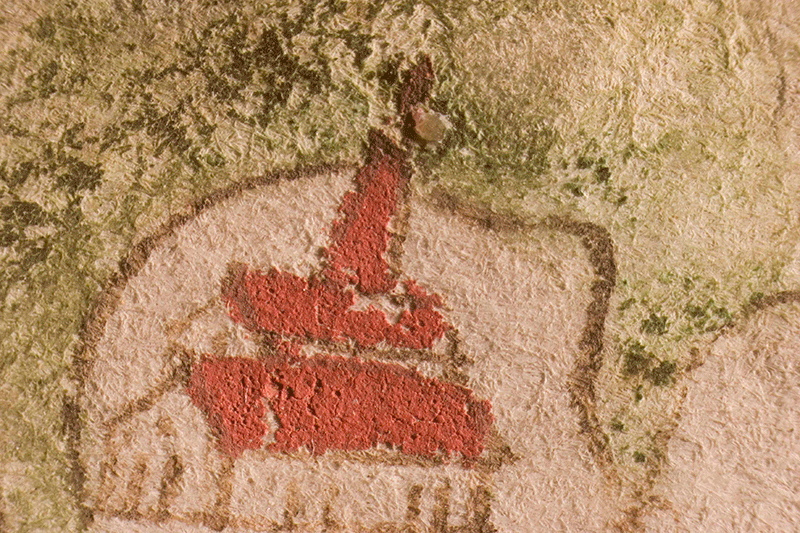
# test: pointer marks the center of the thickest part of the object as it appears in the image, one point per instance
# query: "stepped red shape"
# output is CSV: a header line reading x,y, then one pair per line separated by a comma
x,y
319,308
329,402
325,403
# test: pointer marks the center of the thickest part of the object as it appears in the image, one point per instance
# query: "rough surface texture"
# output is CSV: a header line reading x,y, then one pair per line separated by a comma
x,y
329,402
733,459
359,241
444,465
286,304
231,393
343,404
599,192
333,403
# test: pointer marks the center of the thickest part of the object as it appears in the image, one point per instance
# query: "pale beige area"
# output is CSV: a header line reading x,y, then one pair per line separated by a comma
x,y
733,464
15,15
520,309
717,81
518,300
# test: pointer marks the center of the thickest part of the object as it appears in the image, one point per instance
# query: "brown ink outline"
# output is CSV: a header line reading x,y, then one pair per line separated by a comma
x,y
646,501
595,239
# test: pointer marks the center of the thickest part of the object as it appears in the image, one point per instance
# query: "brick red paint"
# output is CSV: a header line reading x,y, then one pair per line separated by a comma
x,y
326,403
346,404
330,402
319,307
287,304
359,240
230,392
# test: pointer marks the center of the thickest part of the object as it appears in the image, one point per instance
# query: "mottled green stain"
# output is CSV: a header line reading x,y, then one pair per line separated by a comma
x,y
655,325
574,189
624,306
43,29
707,317
538,145
602,173
21,213
584,162
638,362
76,176
661,375
139,135
636,359
42,81
143,121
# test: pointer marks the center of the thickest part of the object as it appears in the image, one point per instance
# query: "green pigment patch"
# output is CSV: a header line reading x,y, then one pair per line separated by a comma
x,y
655,325
636,359
661,375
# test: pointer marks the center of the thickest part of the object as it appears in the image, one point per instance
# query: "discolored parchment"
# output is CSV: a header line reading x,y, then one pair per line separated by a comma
x,y
528,304
733,463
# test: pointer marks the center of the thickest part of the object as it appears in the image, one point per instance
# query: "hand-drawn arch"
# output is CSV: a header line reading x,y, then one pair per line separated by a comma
x,y
597,250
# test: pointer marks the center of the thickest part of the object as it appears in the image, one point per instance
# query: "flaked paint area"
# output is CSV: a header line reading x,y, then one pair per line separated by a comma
x,y
230,393
333,403
313,308
319,307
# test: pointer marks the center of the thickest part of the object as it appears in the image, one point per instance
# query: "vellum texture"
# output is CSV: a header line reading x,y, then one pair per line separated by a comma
x,y
399,266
